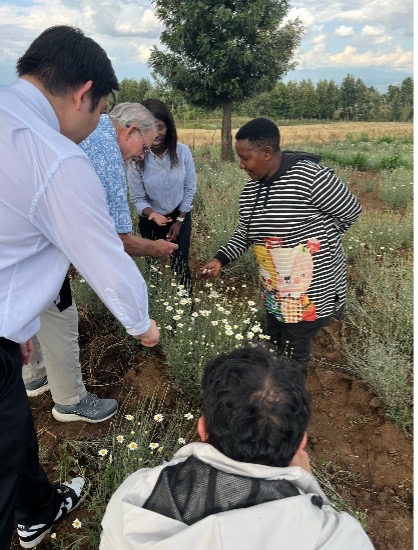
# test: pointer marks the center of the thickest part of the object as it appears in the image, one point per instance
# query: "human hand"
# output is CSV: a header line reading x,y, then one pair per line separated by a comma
x,y
26,352
162,248
212,268
174,231
151,337
159,219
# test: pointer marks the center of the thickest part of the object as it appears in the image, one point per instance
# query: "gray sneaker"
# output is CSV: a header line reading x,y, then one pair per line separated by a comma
x,y
37,387
90,409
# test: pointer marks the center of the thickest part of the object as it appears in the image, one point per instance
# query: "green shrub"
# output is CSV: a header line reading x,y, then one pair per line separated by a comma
x,y
397,188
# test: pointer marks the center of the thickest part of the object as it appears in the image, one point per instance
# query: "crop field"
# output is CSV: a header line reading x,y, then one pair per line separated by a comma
x,y
309,134
360,377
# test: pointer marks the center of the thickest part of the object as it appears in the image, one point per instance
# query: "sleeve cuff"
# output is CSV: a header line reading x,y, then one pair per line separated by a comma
x,y
223,258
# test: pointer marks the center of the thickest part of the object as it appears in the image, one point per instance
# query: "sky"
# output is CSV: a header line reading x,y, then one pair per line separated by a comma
x,y
369,39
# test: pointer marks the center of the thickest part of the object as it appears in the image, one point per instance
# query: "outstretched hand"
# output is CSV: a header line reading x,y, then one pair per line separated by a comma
x,y
173,232
151,337
163,248
212,268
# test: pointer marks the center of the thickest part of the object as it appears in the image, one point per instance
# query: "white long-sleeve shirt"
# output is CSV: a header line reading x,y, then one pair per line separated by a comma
x,y
53,212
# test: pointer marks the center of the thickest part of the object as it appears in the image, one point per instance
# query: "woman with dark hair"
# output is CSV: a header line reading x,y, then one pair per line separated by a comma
x,y
162,187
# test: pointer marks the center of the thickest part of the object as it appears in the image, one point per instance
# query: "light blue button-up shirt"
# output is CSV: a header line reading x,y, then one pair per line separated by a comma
x,y
161,187
104,153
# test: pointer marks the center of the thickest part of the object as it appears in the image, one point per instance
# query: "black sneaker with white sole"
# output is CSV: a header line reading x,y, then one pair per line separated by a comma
x,y
72,495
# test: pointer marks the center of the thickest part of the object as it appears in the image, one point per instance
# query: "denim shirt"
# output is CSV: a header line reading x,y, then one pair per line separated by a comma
x,y
161,187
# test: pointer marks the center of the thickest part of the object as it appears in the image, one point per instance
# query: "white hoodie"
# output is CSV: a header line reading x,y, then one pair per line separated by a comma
x,y
291,523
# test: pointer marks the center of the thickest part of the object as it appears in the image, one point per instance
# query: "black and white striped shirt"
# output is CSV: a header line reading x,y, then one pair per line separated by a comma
x,y
295,222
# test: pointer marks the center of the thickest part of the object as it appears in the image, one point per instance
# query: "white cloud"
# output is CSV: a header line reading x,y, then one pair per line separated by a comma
x,y
393,15
369,30
142,53
395,59
127,30
344,31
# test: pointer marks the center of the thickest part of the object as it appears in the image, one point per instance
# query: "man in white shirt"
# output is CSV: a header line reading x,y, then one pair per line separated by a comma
x,y
248,484
53,212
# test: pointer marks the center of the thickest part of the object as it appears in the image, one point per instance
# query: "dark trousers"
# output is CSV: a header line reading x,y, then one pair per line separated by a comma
x,y
294,339
180,258
25,492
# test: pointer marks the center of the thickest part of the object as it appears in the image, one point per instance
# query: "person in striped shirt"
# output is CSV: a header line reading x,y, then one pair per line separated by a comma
x,y
293,211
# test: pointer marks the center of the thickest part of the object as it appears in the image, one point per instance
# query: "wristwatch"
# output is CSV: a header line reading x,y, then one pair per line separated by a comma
x,y
179,219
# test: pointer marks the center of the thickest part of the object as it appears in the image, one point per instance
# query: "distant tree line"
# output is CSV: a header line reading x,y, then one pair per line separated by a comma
x,y
303,100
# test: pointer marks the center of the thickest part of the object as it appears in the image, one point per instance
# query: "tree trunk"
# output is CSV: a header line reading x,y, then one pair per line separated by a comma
x,y
226,132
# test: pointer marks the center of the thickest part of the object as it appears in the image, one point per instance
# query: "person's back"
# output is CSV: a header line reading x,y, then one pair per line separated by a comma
x,y
248,484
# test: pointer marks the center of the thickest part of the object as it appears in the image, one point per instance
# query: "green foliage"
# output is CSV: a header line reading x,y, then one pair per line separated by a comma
x,y
132,90
396,188
366,156
379,345
194,329
126,448
377,233
216,210
222,50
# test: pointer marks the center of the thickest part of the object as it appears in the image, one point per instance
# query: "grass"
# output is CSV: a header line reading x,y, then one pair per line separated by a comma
x,y
144,434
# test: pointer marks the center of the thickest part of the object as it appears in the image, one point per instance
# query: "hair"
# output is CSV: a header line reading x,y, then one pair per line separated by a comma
x,y
129,114
261,132
255,405
160,111
62,58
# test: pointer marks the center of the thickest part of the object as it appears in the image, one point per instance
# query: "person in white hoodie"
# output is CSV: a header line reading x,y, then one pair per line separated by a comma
x,y
248,484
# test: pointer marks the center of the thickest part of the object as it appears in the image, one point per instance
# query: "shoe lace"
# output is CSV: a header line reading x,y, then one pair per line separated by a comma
x,y
92,399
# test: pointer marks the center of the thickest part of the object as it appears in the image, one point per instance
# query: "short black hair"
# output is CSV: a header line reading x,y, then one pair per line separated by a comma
x,y
261,132
62,58
256,405
160,111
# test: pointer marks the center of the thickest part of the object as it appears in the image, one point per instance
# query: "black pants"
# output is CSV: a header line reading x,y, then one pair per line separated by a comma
x,y
294,339
25,491
180,259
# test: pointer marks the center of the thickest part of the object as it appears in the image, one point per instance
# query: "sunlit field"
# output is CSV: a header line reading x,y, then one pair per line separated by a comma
x,y
309,133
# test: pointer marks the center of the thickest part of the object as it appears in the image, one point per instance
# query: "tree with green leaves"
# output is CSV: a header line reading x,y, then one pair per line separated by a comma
x,y
132,90
223,51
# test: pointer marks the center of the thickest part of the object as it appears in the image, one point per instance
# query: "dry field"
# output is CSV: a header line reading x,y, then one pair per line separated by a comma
x,y
310,133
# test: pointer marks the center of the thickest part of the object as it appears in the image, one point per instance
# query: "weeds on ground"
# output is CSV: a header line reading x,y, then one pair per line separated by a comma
x,y
142,436
197,327
380,310
397,188
216,211
376,233
332,480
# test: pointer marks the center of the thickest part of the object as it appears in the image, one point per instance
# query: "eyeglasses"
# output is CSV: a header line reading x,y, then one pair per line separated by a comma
x,y
146,149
